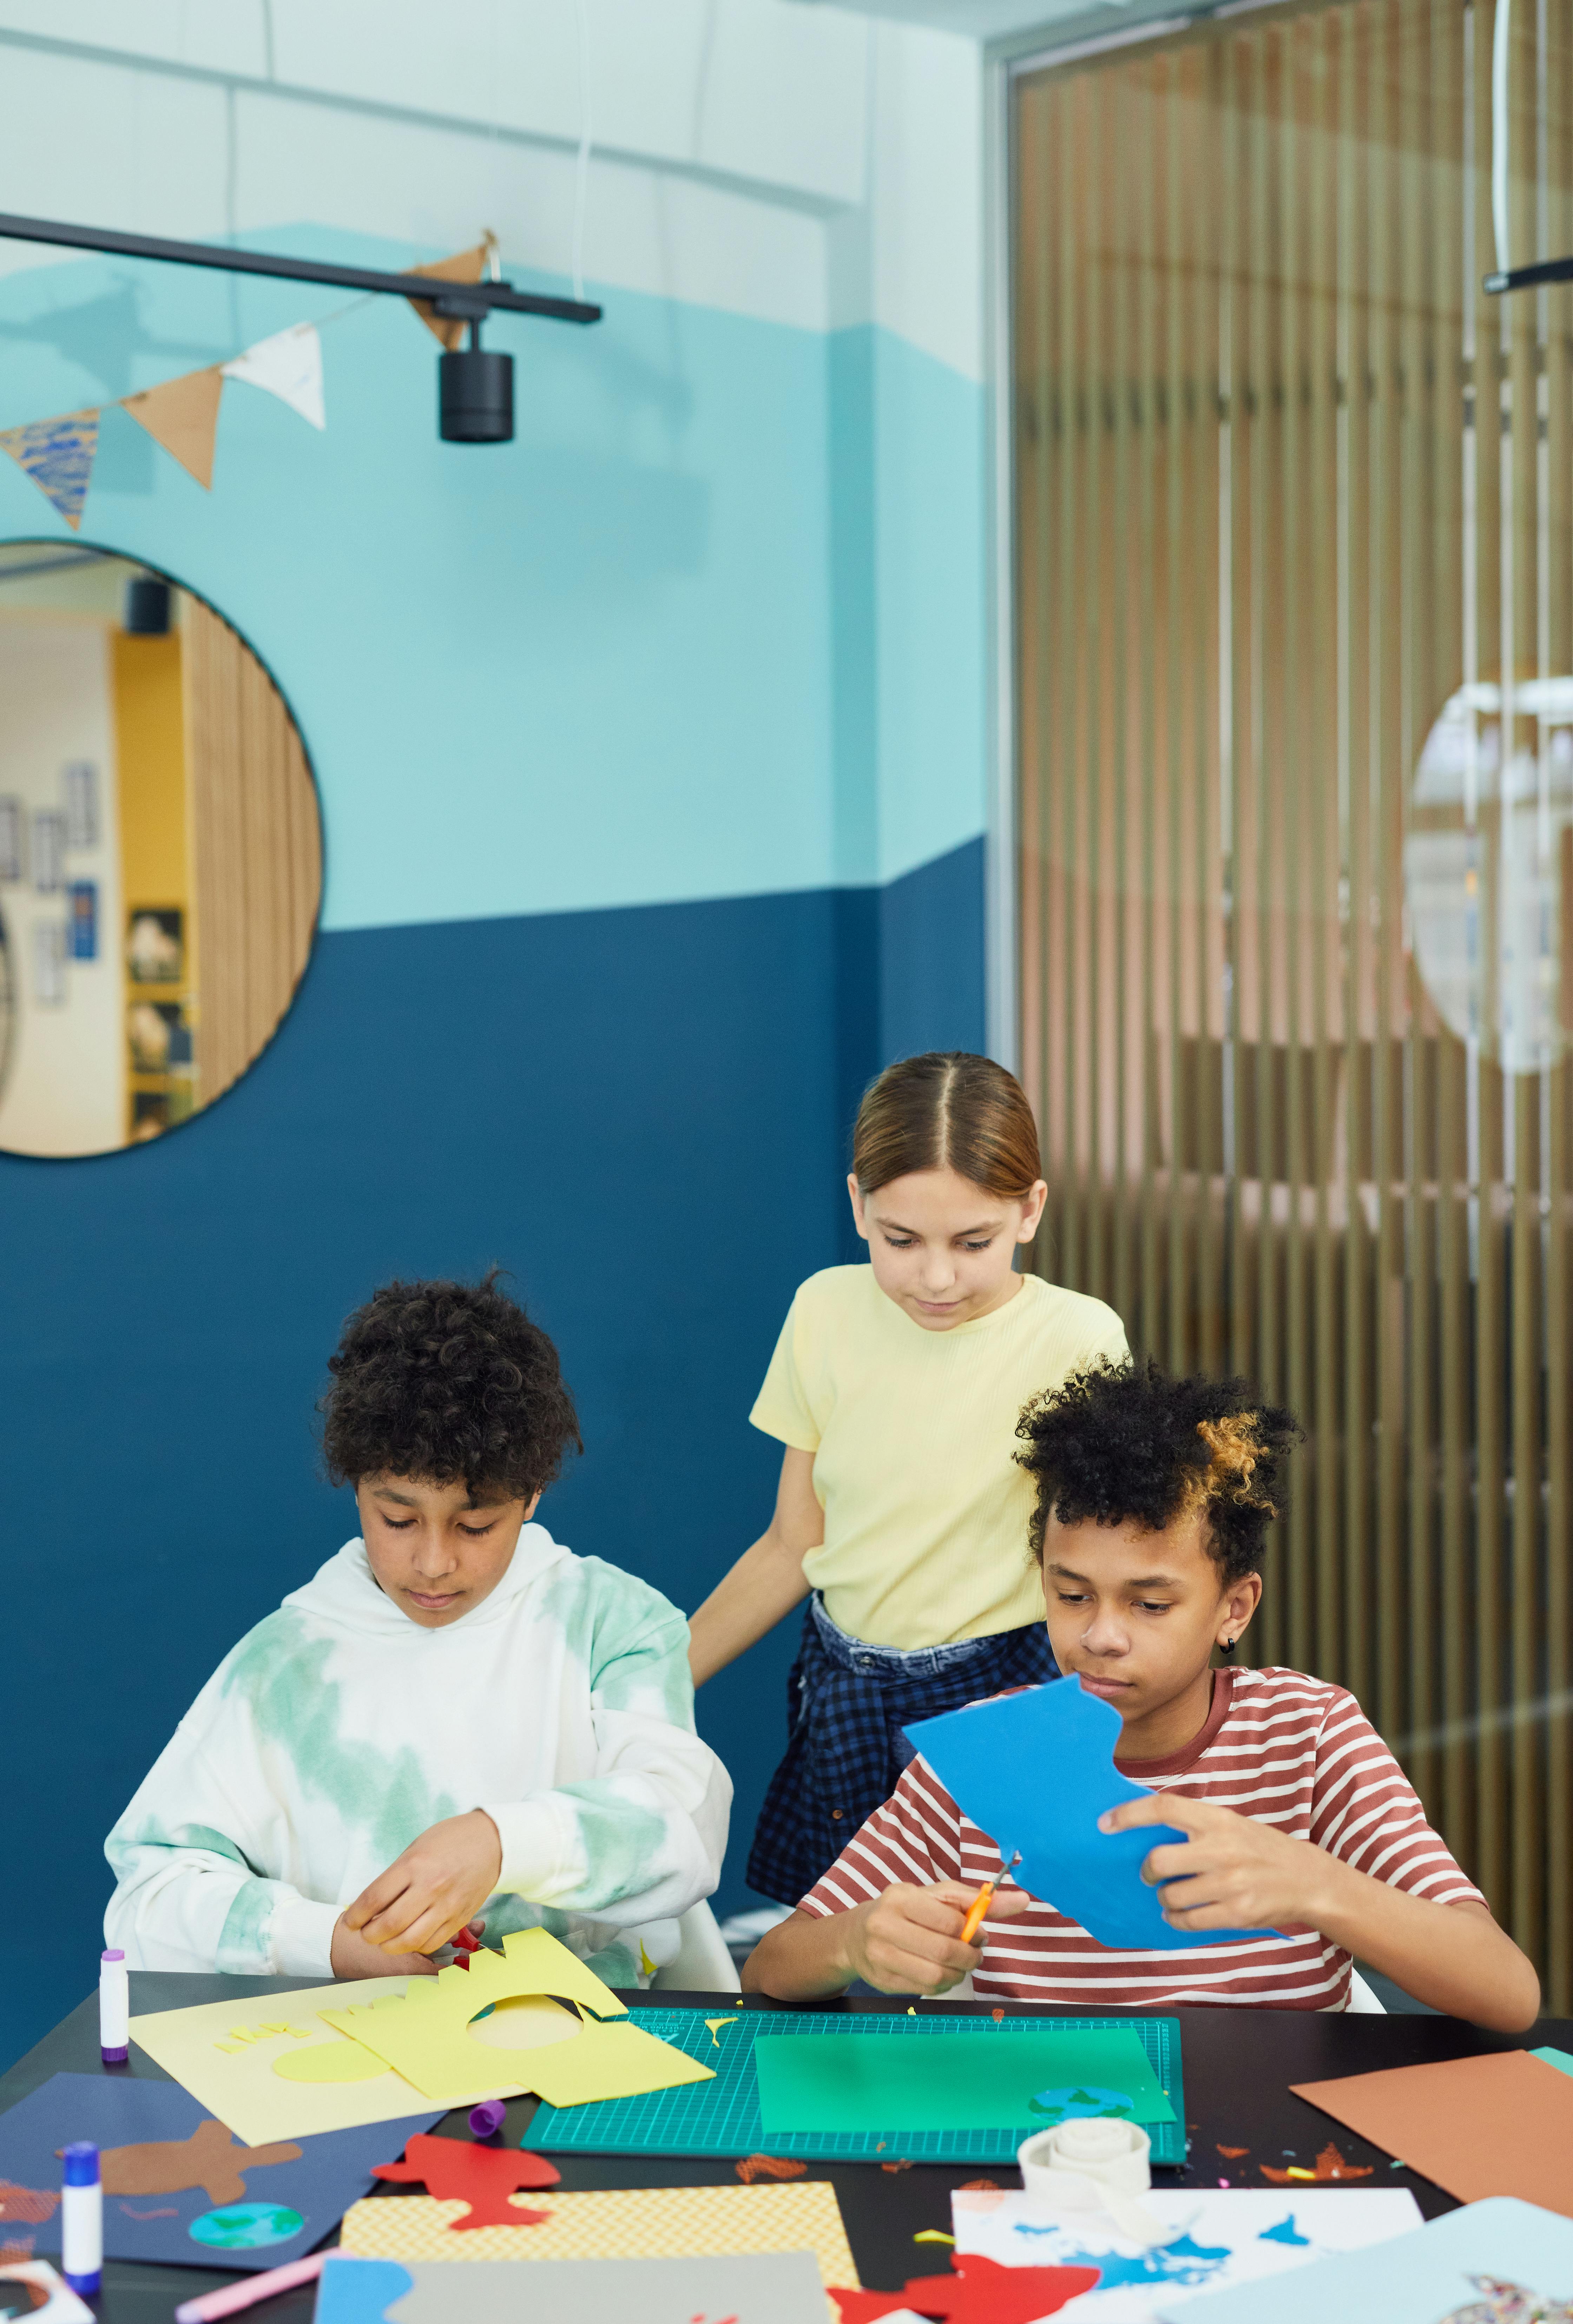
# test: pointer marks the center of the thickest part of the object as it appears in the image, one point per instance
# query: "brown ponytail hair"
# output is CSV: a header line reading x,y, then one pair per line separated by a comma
x,y
947,1111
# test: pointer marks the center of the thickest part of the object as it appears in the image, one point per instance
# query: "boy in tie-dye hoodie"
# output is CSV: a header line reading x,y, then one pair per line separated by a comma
x,y
457,1722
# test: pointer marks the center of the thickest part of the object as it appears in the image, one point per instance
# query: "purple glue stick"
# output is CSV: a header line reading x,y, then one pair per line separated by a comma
x,y
113,2008
82,2219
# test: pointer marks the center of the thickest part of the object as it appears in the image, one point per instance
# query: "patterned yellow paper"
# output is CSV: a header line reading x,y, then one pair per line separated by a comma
x,y
617,2223
424,2033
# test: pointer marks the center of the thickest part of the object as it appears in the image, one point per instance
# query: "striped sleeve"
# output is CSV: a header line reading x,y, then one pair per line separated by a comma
x,y
1364,1811
913,1839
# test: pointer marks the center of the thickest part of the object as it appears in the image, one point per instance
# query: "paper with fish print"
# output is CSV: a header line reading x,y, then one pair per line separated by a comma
x,y
178,2185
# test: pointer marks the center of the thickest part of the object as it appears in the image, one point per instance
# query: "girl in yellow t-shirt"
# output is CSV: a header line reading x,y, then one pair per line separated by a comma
x,y
895,1389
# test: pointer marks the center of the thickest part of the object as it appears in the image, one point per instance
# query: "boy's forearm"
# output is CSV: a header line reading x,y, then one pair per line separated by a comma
x,y
802,1959
1452,1956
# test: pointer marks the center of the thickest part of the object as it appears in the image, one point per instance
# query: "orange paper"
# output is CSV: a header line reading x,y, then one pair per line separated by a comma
x,y
464,266
1501,2124
183,415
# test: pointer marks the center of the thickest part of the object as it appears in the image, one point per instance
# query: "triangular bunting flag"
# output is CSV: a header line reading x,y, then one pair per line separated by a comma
x,y
288,365
464,266
57,454
183,415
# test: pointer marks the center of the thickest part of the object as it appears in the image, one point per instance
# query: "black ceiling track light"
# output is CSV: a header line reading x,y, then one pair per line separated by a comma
x,y
474,384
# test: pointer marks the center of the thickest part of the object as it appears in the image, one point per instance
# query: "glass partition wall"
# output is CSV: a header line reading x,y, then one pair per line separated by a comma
x,y
1294,606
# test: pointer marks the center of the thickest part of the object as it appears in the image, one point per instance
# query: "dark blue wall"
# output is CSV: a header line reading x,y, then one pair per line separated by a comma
x,y
643,1113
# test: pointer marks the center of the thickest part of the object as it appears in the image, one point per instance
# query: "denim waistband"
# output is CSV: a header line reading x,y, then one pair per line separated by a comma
x,y
896,1664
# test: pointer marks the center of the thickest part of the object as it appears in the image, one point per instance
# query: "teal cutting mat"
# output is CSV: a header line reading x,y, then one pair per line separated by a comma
x,y
722,2117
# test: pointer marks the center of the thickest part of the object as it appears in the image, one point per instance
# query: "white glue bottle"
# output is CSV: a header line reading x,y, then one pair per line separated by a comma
x,y
82,2219
113,2008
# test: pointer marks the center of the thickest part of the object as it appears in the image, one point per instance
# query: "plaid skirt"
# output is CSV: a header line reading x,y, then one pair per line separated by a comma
x,y
847,1703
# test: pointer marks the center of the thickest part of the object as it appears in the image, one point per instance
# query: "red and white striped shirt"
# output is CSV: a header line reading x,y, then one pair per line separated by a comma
x,y
1287,1750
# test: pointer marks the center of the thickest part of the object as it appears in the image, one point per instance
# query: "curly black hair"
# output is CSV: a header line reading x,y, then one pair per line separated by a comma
x,y
444,1380
1125,1442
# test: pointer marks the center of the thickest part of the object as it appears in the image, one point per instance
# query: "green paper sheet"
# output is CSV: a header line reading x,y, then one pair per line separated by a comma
x,y
1030,2081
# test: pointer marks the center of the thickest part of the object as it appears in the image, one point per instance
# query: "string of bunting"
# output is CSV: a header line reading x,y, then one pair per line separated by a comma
x,y
181,415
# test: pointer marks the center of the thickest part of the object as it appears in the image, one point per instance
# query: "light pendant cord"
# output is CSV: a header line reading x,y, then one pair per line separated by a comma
x,y
1501,59
586,139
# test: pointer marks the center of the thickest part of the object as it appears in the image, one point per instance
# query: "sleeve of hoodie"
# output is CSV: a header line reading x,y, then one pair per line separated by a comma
x,y
190,1854
643,1839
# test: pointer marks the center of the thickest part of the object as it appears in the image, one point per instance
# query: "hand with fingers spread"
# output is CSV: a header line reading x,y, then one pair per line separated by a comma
x,y
1230,1872
909,1939
430,1892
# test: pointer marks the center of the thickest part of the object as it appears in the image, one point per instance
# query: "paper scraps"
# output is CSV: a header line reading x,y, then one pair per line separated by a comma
x,y
618,2223
483,2177
424,2033
770,2166
1330,2164
288,366
1093,1877
764,2288
979,2292
1496,2124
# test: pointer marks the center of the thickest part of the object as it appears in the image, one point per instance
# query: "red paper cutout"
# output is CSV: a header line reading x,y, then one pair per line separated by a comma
x,y
770,2166
32,2204
454,2170
1234,2153
1330,2164
979,2292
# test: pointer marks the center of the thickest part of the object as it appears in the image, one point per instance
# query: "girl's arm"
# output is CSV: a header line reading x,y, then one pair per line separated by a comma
x,y
1233,1872
768,1580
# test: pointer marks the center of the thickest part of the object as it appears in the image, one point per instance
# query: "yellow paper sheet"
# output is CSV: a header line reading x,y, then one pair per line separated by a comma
x,y
619,2223
425,2035
219,2053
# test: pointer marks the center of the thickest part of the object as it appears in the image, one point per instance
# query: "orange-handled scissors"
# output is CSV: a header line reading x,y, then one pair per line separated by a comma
x,y
985,1897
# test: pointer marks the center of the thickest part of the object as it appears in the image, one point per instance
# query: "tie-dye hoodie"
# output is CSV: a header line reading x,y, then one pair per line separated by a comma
x,y
339,1731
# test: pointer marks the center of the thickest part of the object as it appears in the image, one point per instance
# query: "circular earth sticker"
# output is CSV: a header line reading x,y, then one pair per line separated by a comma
x,y
246,2226
1082,2099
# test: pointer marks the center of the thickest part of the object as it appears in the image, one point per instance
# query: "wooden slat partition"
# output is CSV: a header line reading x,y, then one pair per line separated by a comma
x,y
257,848
1295,599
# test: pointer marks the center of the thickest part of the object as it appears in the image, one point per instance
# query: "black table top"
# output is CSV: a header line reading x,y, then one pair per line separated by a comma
x,y
1237,2065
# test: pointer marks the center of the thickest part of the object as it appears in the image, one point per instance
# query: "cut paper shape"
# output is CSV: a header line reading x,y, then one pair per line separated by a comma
x,y
979,2292
152,2136
57,454
454,2170
530,2020
989,1755
463,266
246,2226
1557,2058
242,2090
30,2288
713,2026
770,2166
27,2204
852,2083
424,2033
288,364
1211,2239
1498,2124
1427,2277
1330,2164
761,2288
618,2223
330,2061
182,416
208,2159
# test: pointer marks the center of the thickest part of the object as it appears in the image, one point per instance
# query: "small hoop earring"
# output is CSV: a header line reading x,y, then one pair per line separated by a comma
x,y
1226,1646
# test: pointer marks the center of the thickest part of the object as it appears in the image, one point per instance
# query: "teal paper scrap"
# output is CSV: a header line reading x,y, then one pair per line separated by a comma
x,y
1023,2082
1557,2058
1039,1765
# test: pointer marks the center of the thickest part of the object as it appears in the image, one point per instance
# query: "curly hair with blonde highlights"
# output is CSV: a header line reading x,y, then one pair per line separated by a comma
x,y
1121,1443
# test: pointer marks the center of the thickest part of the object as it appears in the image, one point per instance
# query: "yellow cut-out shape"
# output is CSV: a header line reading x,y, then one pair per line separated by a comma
x,y
330,2061
531,2021
424,2035
715,2025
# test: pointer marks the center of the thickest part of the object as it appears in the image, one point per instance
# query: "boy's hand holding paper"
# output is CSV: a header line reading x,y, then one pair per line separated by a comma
x,y
1229,1871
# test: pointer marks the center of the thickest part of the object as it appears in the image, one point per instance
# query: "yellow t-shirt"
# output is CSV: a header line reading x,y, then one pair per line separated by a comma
x,y
925,1511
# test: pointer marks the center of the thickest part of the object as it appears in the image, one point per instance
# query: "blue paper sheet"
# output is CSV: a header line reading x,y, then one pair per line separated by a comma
x,y
1425,2278
1036,1771
284,2208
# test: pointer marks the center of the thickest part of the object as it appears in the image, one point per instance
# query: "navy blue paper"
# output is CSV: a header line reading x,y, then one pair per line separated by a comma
x,y
1036,1770
283,2210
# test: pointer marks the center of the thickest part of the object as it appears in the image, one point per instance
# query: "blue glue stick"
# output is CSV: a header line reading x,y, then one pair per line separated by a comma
x,y
113,2008
82,2219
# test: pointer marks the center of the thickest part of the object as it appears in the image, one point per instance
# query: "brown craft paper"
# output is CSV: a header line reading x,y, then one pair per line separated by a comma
x,y
209,2159
183,415
464,266
1501,2124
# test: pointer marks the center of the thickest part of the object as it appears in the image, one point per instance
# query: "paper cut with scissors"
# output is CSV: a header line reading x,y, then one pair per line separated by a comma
x,y
454,2170
1040,1765
979,2292
424,2033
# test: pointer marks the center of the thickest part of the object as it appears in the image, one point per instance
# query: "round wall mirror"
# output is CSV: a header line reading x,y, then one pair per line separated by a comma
x,y
161,853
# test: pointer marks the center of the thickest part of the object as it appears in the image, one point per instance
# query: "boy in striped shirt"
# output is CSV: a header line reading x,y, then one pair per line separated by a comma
x,y
1153,1496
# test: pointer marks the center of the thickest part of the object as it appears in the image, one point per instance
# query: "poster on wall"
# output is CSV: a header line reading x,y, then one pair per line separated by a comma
x,y
48,852
81,804
10,830
82,902
155,945
48,964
